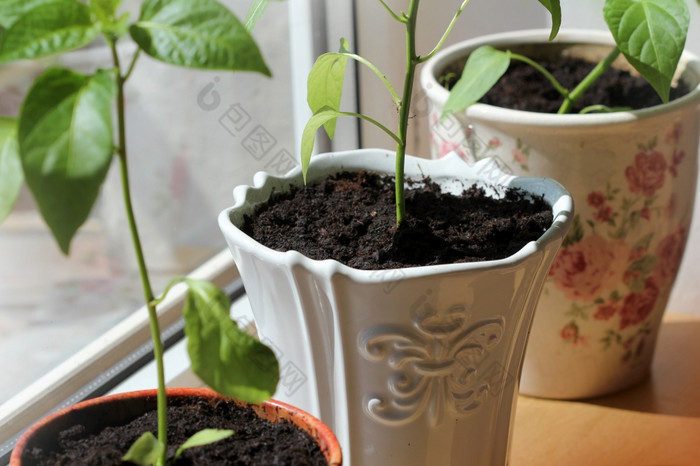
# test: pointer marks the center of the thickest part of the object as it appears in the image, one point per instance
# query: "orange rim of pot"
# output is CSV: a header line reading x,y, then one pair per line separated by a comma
x,y
272,410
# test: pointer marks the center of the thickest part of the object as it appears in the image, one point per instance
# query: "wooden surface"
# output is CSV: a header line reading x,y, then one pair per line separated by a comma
x,y
656,423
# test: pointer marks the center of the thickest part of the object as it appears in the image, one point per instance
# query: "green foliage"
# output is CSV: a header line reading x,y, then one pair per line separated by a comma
x,y
483,69
47,28
13,9
554,9
65,138
10,166
203,437
255,11
325,83
196,34
145,451
321,117
225,357
651,34
63,143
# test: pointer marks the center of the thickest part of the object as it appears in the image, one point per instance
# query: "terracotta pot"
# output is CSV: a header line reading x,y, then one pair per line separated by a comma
x,y
633,177
98,413
409,366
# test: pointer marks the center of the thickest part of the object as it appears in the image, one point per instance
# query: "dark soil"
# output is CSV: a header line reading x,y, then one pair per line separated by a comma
x,y
524,88
351,218
255,442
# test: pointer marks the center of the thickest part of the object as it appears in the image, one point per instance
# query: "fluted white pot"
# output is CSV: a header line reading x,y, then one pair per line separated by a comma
x,y
633,177
410,366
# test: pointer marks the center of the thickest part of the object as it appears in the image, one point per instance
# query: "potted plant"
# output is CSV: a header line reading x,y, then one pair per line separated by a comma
x,y
62,144
408,363
632,173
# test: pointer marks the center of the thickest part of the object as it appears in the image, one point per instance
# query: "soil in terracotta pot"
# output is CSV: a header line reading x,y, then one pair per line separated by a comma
x,y
524,88
255,441
351,217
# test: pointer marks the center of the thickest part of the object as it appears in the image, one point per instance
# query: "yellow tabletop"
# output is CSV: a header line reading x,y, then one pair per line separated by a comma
x,y
656,423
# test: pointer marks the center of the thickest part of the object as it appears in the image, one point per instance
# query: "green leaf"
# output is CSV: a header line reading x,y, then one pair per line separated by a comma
x,y
105,10
11,175
325,83
225,357
65,141
196,34
204,437
256,10
651,34
483,69
308,136
554,8
145,451
12,10
48,28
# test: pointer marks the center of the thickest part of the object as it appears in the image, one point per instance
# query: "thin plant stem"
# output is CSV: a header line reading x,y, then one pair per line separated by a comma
x,y
398,18
390,133
588,81
447,32
404,108
132,64
375,70
559,88
143,271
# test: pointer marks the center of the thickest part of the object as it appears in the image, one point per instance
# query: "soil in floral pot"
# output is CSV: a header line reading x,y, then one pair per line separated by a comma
x,y
351,218
256,441
524,88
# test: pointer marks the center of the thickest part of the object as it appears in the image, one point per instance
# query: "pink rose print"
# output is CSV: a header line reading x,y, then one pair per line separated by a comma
x,y
606,311
645,213
570,332
495,143
637,306
448,146
670,253
520,156
646,175
583,270
596,199
604,214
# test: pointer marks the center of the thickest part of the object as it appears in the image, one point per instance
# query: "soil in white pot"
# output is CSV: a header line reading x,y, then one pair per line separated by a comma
x,y
524,88
351,218
256,441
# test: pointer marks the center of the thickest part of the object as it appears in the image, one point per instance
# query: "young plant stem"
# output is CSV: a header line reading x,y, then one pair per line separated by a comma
x,y
405,107
588,81
559,88
140,258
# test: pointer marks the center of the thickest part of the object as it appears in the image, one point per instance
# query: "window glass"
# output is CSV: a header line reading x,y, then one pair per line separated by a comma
x,y
192,136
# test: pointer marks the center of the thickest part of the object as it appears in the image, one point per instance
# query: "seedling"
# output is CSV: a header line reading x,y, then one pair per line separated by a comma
x,y
325,84
651,34
63,141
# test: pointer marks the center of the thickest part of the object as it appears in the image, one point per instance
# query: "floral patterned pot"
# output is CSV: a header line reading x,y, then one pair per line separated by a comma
x,y
632,176
119,409
408,366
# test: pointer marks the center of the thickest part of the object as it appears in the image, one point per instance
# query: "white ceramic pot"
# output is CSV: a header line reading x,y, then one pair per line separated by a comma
x,y
632,176
409,366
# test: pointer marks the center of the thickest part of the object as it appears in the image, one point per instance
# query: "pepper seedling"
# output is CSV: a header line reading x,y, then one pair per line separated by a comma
x,y
63,142
325,84
651,34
